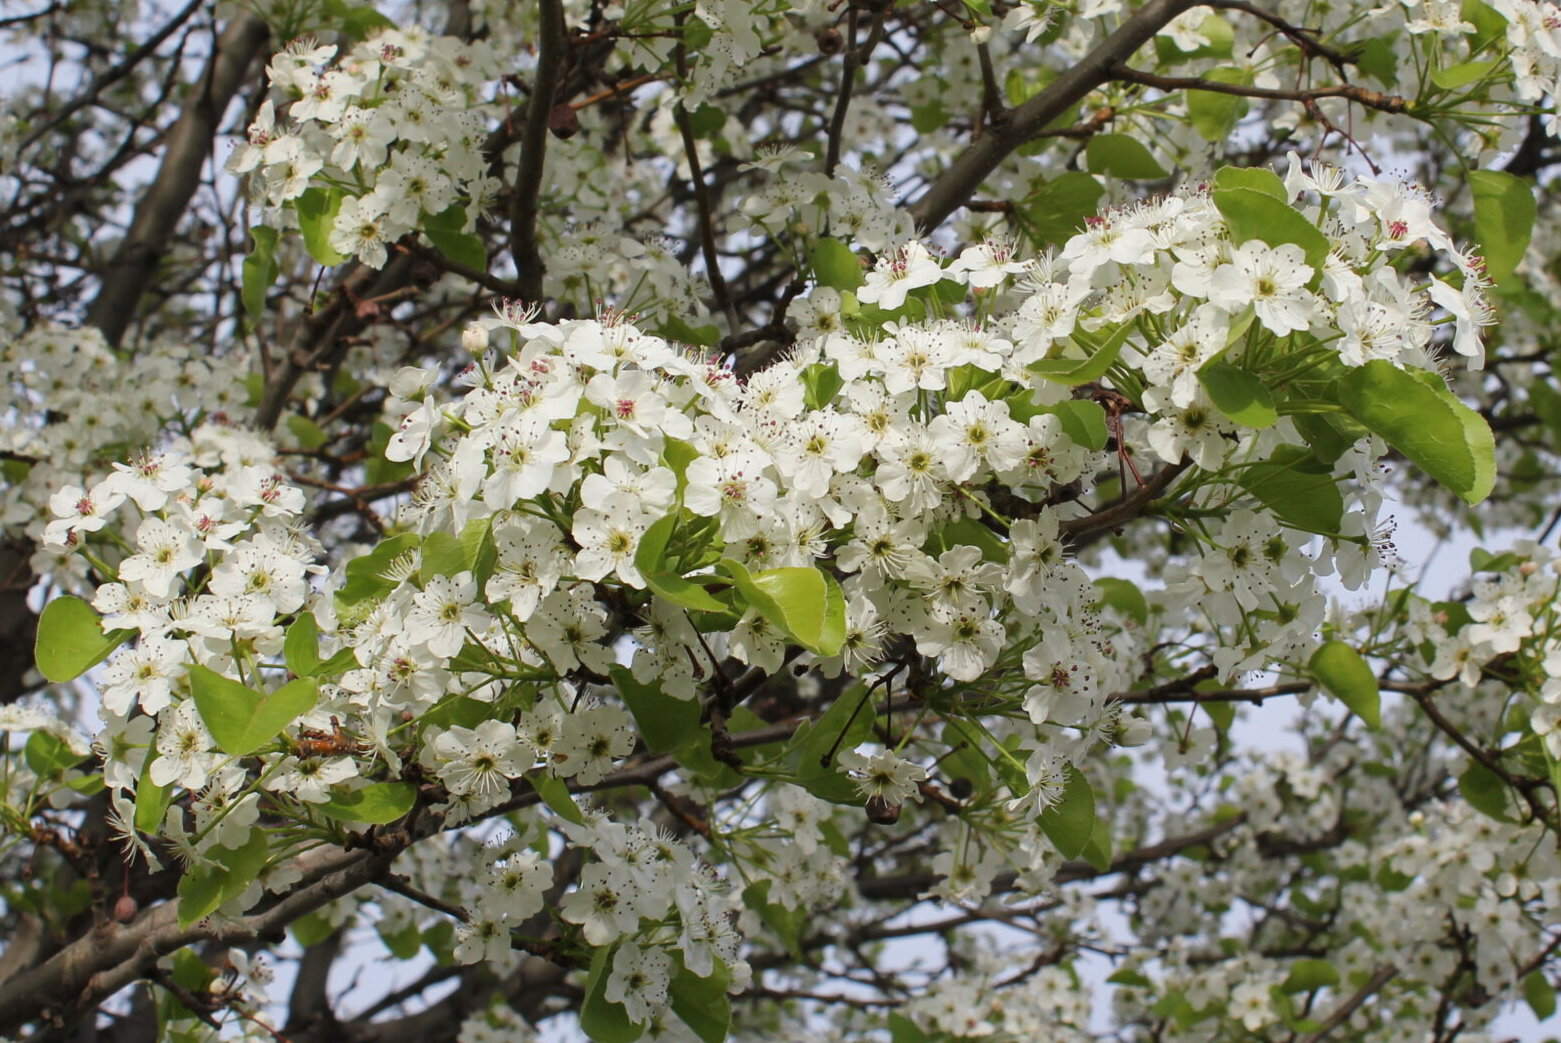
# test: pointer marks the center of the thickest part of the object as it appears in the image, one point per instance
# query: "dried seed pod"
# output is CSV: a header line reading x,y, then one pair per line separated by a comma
x,y
882,811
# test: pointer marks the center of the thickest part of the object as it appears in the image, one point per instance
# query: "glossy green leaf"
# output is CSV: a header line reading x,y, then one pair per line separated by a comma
x,y
1098,851
1213,114
1259,179
601,1019
806,603
203,890
365,576
1306,975
50,756
1058,208
152,800
71,639
845,725
650,557
665,724
1300,490
444,554
306,432
446,232
1416,414
1539,994
1123,156
835,265
1461,75
1240,395
1124,596
1075,371
1378,58
301,646
242,720
554,792
317,209
702,1003
376,804
1216,30
259,272
1504,212
1486,792
1253,214
1070,822
1347,677
1084,422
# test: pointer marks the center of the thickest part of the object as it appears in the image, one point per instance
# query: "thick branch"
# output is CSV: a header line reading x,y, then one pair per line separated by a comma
x,y
533,153
112,956
965,174
135,263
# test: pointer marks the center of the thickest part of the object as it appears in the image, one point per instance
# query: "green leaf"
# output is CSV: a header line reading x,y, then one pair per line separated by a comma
x,y
1123,156
317,209
1131,978
71,639
968,532
604,1021
835,265
665,723
1346,676
151,800
1058,208
306,432
806,603
702,1003
260,271
444,554
358,21
50,756
1215,115
904,1030
1098,851
1504,214
203,891
1485,792
650,557
823,382
1306,975
1253,214
1215,29
1539,994
377,804
1124,596
365,576
1076,371
301,647
1455,76
845,725
1378,58
446,231
1070,822
1240,395
554,792
1084,422
1259,179
929,117
242,720
1416,414
1298,488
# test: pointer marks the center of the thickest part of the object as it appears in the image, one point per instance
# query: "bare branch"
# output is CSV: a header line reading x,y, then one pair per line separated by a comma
x,y
965,174
134,264
525,207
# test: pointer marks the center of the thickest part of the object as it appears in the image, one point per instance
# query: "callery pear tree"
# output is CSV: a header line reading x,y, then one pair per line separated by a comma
x,y
780,519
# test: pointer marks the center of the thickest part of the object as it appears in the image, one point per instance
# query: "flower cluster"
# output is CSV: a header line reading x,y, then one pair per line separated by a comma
x,y
386,136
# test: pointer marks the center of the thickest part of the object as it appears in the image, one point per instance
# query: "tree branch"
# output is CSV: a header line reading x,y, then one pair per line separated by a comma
x,y
134,265
965,174
525,207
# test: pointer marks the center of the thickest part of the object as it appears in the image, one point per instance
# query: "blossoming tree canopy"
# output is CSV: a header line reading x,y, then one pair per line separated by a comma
x,y
868,520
